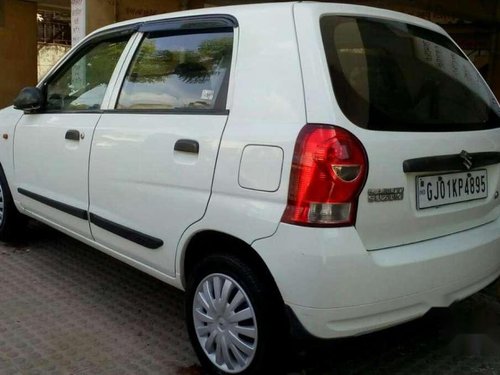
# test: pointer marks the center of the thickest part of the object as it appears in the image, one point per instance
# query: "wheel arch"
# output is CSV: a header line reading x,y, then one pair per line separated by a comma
x,y
207,242
7,178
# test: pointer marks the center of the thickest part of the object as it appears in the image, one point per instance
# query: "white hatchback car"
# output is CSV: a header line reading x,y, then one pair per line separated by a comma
x,y
306,168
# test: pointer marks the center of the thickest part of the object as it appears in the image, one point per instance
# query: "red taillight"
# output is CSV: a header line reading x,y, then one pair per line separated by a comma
x,y
329,170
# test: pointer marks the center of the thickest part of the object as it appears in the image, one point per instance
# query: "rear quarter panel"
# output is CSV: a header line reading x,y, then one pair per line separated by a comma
x,y
266,108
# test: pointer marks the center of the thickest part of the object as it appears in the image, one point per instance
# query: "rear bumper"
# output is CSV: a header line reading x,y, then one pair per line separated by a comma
x,y
336,288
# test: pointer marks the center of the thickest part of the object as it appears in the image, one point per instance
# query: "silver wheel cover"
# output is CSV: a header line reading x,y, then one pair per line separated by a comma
x,y
225,323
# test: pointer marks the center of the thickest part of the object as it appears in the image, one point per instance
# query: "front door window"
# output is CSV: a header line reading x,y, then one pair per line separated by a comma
x,y
82,83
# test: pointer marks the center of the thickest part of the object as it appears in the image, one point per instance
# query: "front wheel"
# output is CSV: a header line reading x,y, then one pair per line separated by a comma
x,y
232,323
11,221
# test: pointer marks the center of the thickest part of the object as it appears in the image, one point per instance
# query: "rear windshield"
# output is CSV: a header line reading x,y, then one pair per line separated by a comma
x,y
393,76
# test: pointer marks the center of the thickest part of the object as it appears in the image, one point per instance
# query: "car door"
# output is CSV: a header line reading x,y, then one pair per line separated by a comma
x,y
52,146
153,156
427,120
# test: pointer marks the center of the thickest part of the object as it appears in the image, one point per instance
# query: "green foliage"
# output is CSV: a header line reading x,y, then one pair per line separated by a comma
x,y
191,66
101,62
92,69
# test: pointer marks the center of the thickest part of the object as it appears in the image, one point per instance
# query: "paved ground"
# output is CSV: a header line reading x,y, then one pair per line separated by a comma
x,y
66,308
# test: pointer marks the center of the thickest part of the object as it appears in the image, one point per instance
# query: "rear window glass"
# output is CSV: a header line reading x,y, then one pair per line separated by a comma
x,y
393,76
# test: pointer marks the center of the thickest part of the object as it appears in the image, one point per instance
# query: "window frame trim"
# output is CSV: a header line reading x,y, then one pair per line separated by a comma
x,y
173,27
159,111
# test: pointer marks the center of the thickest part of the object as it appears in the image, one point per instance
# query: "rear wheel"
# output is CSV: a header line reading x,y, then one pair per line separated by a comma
x,y
233,322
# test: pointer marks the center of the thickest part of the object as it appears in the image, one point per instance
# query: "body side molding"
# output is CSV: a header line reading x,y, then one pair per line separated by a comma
x,y
74,211
127,233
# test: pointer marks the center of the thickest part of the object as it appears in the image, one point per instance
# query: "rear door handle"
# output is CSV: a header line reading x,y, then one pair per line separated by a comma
x,y
72,135
187,145
455,162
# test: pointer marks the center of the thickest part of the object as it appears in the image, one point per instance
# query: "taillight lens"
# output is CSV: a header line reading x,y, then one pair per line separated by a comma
x,y
329,170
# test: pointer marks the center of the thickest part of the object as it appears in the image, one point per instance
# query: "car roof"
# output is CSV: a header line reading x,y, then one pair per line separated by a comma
x,y
237,10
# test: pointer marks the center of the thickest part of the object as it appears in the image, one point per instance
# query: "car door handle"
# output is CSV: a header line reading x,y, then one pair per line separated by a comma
x,y
187,145
455,162
72,135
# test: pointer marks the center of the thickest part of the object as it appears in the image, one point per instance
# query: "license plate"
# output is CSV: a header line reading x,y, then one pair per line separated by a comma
x,y
443,189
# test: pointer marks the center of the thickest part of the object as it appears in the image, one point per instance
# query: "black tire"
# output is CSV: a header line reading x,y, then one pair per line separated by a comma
x,y
270,322
11,222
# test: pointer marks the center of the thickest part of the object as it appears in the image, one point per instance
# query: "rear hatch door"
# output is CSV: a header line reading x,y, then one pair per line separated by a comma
x,y
428,122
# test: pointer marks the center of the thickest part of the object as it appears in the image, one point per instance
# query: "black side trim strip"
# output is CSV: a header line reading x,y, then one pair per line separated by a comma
x,y
74,211
73,111
457,162
127,233
153,111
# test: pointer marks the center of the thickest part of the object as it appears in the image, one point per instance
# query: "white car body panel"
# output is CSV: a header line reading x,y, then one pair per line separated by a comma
x,y
339,289
9,117
272,106
137,179
260,168
54,167
430,223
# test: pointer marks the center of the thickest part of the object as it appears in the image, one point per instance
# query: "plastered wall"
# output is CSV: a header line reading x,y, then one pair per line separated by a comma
x,y
104,12
18,49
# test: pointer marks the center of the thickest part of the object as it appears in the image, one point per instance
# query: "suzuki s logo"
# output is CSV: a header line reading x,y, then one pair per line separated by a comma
x,y
466,159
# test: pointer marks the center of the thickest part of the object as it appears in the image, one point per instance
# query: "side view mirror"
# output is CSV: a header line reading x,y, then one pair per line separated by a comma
x,y
29,99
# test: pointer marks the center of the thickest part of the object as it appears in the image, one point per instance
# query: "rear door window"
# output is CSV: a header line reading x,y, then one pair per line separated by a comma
x,y
179,72
392,76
